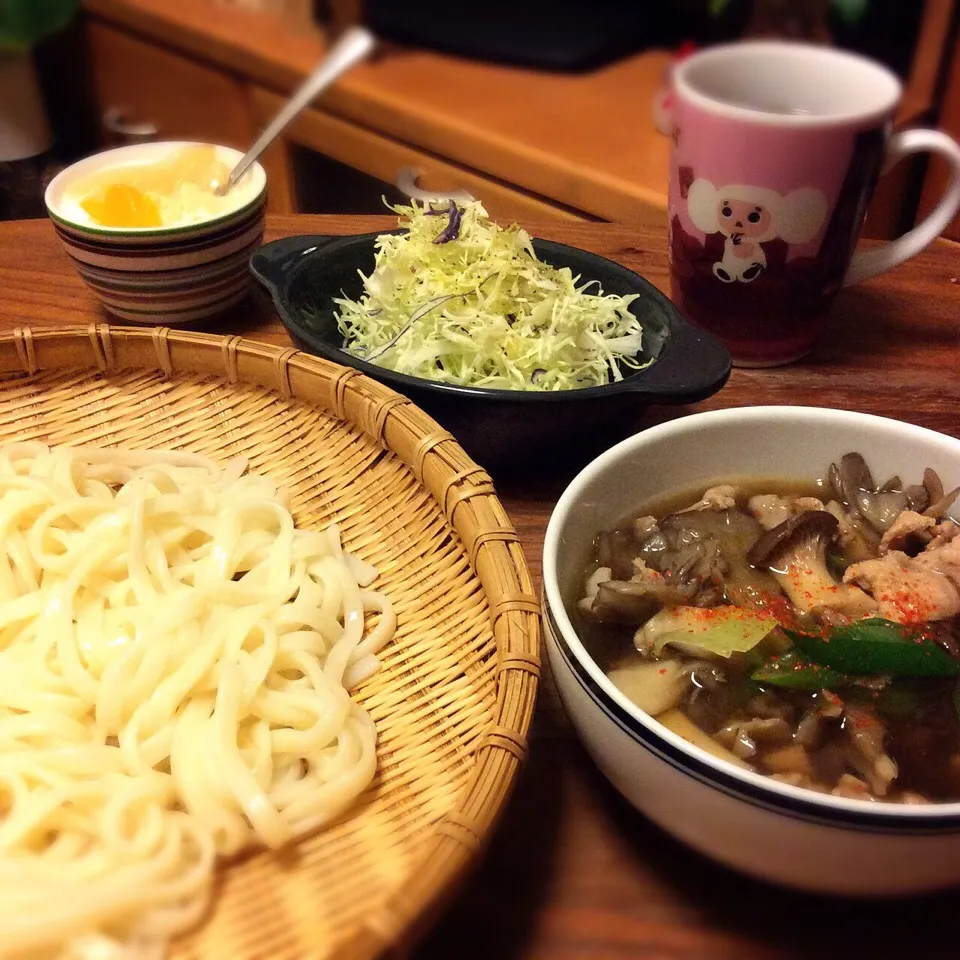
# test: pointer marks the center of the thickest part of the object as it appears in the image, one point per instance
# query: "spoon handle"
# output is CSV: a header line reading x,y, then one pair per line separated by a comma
x,y
352,47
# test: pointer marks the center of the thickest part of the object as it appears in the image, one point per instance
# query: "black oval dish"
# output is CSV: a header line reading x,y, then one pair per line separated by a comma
x,y
303,275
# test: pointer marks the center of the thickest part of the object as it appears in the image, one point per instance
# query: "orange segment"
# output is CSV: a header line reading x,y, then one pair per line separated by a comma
x,y
121,205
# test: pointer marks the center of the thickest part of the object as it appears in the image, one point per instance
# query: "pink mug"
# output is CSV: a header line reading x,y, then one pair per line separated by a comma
x,y
776,150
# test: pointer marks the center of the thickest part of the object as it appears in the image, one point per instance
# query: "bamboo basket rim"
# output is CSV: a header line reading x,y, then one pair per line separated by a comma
x,y
463,492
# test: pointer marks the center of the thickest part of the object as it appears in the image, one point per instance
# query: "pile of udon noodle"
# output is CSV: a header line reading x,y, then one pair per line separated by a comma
x,y
175,656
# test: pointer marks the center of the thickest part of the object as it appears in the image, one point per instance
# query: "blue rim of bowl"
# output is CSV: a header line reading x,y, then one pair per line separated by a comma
x,y
753,788
872,820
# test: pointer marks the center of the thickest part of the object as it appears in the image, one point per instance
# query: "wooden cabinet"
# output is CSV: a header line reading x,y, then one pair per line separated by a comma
x,y
144,91
531,145
383,160
938,174
393,115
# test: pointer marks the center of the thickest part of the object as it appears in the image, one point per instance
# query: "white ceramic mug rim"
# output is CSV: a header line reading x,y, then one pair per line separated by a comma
x,y
553,542
687,89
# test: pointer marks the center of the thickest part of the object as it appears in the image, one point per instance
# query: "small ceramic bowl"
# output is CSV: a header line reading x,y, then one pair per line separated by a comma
x,y
169,275
768,829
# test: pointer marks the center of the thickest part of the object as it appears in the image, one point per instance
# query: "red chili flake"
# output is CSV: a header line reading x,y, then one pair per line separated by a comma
x,y
910,607
662,670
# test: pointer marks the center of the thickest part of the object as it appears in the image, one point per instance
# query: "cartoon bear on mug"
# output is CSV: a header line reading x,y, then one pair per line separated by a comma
x,y
749,217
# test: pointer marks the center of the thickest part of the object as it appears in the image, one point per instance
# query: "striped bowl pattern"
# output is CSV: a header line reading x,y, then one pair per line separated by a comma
x,y
172,279
170,275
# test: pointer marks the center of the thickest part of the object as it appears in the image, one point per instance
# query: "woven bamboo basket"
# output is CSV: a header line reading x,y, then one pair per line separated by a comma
x,y
455,694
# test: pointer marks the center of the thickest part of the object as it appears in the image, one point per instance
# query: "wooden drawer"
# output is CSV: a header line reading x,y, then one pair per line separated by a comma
x,y
938,174
382,158
141,87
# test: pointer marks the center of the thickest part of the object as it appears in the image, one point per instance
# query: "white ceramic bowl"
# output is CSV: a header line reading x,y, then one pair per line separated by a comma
x,y
166,275
760,826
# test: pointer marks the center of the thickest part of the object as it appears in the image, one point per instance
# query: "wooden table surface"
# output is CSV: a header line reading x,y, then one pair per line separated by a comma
x,y
573,873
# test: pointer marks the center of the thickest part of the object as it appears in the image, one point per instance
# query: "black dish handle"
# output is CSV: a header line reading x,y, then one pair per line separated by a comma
x,y
272,263
694,365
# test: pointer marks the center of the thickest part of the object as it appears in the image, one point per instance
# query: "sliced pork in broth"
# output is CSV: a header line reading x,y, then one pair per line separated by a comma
x,y
810,632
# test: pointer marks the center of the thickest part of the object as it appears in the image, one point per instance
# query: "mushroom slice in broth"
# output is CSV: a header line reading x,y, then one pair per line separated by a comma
x,y
717,547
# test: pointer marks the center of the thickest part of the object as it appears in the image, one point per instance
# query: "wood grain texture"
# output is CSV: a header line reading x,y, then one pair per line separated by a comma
x,y
585,141
536,130
383,158
938,173
930,50
184,99
574,873
277,162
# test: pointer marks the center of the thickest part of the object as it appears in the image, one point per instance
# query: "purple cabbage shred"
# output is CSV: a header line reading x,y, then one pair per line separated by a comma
x,y
452,230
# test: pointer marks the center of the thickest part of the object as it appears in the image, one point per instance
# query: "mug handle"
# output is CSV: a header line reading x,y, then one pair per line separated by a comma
x,y
868,263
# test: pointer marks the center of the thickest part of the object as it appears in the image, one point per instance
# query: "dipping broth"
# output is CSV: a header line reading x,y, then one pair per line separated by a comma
x,y
807,630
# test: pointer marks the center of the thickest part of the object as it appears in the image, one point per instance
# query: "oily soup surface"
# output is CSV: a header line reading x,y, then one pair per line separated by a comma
x,y
806,629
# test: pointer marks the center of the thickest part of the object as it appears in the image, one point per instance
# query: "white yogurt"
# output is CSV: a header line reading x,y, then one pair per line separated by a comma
x,y
148,168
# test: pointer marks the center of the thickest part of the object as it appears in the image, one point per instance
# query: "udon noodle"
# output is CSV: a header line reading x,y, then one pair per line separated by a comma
x,y
175,656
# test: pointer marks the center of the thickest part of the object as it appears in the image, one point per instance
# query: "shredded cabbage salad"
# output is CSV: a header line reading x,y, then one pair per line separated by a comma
x,y
459,299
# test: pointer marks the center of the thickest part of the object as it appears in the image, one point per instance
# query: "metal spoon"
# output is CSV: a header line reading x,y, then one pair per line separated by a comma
x,y
355,44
